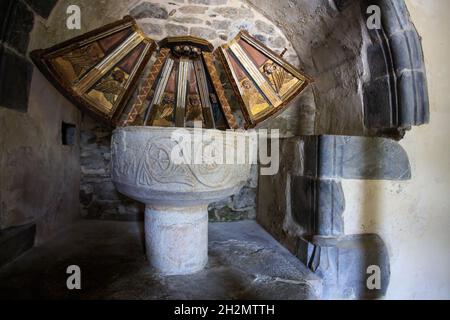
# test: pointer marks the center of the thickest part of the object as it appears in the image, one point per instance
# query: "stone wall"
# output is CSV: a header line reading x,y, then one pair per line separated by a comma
x,y
39,169
98,196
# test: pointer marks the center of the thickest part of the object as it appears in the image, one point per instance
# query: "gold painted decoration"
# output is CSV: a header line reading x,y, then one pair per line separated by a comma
x,y
98,70
262,80
182,88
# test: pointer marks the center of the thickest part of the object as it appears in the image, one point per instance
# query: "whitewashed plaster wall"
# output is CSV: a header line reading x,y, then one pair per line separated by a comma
x,y
413,217
39,175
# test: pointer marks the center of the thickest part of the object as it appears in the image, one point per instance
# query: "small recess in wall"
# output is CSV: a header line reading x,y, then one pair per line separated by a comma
x,y
68,134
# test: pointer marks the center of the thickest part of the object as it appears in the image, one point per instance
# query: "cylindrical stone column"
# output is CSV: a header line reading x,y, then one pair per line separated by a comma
x,y
176,239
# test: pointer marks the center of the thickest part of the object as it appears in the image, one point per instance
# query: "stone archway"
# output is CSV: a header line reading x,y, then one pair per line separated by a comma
x,y
368,83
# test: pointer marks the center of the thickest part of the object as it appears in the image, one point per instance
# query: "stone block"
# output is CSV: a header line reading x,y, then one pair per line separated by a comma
x,y
355,158
149,10
227,214
261,38
193,9
318,205
16,73
380,105
106,191
16,240
86,194
246,198
302,196
356,254
264,27
152,29
343,264
399,41
234,13
205,33
187,19
16,22
219,24
406,51
394,14
176,30
378,60
413,98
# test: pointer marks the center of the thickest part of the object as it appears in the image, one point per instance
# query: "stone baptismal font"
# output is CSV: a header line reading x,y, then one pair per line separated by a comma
x,y
170,149
176,195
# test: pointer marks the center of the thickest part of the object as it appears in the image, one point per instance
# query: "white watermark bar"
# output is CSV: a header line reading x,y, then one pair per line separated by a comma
x,y
202,147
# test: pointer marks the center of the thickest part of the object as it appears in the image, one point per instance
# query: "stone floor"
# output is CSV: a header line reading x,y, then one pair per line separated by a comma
x,y
245,262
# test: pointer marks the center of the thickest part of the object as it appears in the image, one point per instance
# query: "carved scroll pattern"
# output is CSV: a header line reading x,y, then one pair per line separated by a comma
x,y
151,166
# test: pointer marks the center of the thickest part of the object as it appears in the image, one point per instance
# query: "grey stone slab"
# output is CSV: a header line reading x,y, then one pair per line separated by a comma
x,y
244,263
330,205
318,205
152,29
391,103
413,98
343,265
348,157
362,158
193,9
205,33
187,19
406,50
234,13
379,59
356,254
245,198
149,10
16,73
395,15
15,241
176,30
264,27
42,7
15,24
380,103
261,38
303,191
375,158
219,24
